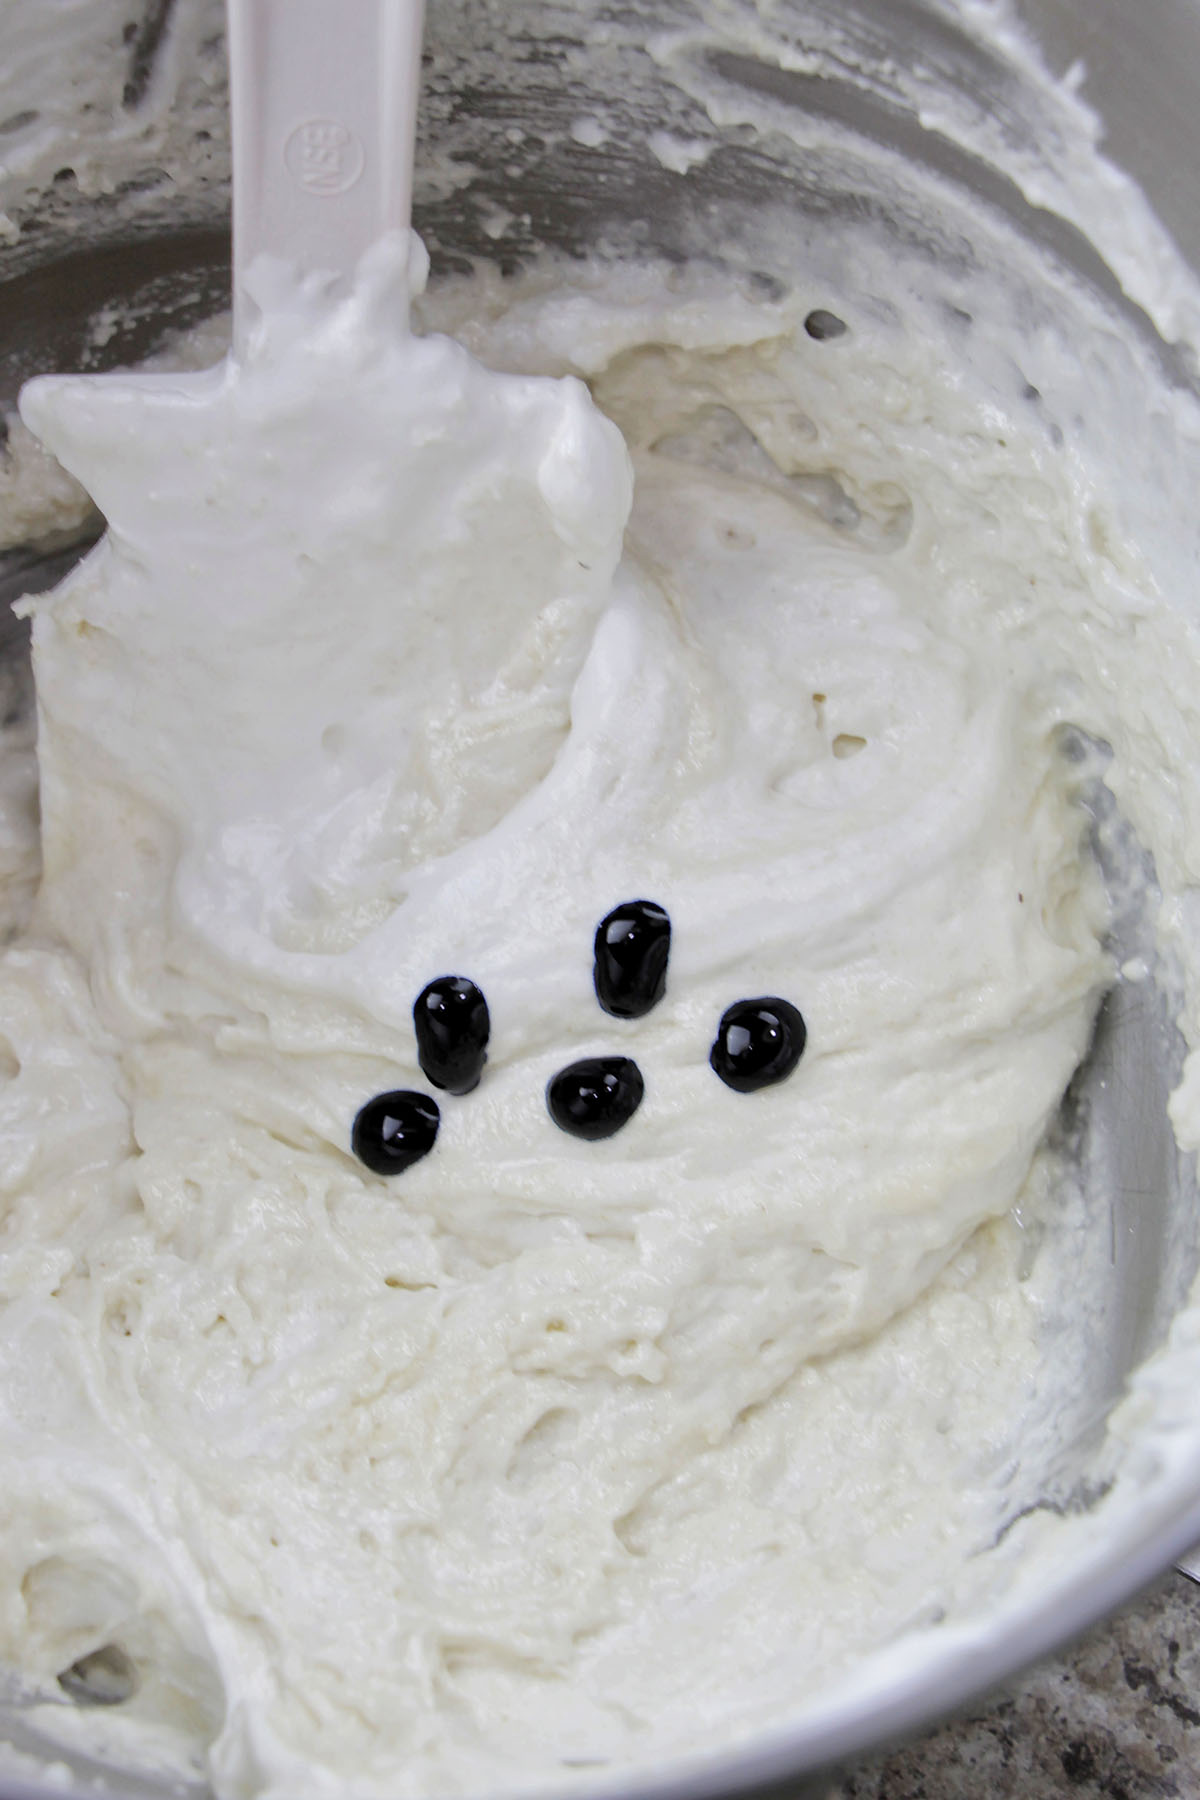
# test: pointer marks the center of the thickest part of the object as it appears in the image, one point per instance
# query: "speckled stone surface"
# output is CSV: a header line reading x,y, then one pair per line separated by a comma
x,y
1116,1718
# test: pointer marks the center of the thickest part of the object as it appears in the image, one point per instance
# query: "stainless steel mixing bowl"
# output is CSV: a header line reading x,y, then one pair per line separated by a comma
x,y
511,165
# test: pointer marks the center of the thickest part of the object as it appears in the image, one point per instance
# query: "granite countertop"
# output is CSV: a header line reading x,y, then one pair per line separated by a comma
x,y
1116,1718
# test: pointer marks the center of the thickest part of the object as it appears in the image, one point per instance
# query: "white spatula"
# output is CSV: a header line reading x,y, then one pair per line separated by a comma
x,y
324,108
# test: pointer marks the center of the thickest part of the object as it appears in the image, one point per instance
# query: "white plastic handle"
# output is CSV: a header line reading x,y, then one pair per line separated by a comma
x,y
323,97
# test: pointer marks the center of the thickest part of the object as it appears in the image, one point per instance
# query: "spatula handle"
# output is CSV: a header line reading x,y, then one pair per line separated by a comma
x,y
324,104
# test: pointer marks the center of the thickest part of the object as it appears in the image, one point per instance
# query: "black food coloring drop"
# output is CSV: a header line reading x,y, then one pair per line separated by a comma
x,y
759,1042
592,1099
393,1131
632,946
452,1026
824,325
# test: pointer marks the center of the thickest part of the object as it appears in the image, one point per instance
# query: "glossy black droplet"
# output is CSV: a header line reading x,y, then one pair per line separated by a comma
x,y
824,325
452,1026
759,1042
633,943
393,1131
106,1677
594,1098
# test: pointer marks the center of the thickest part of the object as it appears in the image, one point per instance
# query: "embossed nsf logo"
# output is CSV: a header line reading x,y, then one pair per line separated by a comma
x,y
323,157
